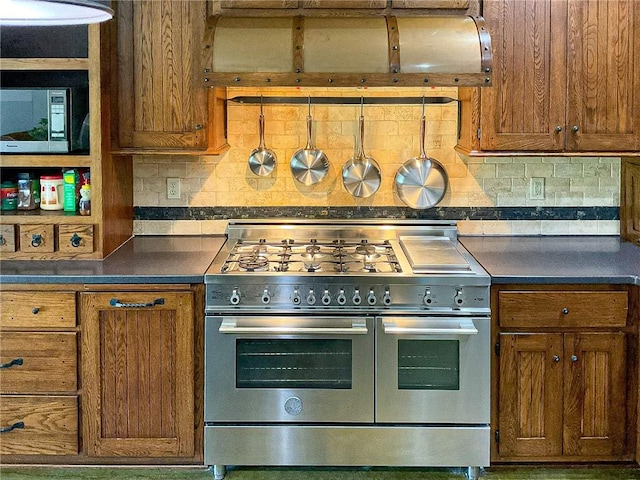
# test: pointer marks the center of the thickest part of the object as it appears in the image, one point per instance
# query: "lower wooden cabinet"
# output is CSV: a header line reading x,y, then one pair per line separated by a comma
x,y
138,373
564,386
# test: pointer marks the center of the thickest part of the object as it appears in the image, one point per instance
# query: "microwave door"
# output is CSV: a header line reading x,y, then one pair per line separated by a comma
x,y
33,121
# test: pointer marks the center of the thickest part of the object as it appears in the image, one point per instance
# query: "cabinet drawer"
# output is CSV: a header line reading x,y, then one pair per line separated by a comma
x,y
75,238
38,362
562,309
41,425
37,238
38,309
7,238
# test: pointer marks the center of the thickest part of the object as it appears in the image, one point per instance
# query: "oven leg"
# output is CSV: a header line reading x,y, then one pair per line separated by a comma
x,y
219,472
473,473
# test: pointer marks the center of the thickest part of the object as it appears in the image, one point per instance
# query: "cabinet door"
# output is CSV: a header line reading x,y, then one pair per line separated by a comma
x,y
138,374
526,103
530,395
594,394
630,200
603,63
162,98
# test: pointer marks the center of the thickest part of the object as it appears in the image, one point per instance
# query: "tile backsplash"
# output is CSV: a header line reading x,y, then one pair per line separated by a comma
x,y
392,136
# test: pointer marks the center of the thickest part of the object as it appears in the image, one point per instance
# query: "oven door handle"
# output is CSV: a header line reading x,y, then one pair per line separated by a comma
x,y
357,328
463,326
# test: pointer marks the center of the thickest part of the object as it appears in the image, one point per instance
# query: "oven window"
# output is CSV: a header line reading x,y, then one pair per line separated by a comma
x,y
304,363
428,365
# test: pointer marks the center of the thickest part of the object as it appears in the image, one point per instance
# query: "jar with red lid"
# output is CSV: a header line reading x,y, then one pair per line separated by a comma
x,y
51,192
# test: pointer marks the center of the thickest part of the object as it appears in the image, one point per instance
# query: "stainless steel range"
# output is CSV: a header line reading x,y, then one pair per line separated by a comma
x,y
346,343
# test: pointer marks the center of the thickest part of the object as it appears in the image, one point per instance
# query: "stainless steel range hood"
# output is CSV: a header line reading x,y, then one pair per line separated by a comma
x,y
347,52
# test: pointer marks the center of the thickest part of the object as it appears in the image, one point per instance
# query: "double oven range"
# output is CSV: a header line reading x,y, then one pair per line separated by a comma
x,y
346,343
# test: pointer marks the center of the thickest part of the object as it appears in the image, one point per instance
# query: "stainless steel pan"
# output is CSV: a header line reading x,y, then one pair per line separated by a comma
x,y
309,165
361,174
262,160
421,182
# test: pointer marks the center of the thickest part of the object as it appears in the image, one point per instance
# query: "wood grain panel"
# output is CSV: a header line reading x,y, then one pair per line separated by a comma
x,y
594,407
603,80
73,239
258,3
138,374
7,238
49,362
29,309
37,239
50,425
530,406
526,102
630,200
546,309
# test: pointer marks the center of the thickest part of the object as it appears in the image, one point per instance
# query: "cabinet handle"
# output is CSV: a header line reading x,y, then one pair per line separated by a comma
x,y
114,302
556,358
76,240
3,242
565,310
15,361
36,240
575,128
558,129
574,358
35,310
12,427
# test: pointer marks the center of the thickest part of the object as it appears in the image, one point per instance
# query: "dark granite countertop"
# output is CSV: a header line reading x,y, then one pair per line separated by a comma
x,y
143,259
556,259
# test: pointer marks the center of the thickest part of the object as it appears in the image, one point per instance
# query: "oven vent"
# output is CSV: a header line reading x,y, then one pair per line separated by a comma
x,y
347,52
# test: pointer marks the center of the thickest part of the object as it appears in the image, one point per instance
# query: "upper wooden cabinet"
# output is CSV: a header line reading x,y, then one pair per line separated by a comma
x,y
565,78
163,104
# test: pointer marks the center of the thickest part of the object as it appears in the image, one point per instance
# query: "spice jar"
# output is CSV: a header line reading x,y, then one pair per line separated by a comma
x,y
51,192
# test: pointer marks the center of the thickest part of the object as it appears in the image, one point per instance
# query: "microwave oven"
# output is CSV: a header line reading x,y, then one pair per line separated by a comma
x,y
44,120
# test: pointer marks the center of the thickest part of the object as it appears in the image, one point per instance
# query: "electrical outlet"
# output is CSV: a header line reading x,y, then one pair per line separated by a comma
x,y
536,188
173,188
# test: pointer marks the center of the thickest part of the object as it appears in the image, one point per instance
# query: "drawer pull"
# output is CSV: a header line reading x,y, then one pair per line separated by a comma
x,y
36,240
15,361
35,310
565,310
574,358
76,240
556,358
3,242
114,302
12,427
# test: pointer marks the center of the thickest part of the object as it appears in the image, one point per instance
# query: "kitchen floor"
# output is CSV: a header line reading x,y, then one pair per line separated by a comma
x,y
249,473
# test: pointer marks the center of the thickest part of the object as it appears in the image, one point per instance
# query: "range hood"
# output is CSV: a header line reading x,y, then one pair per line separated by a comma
x,y
347,52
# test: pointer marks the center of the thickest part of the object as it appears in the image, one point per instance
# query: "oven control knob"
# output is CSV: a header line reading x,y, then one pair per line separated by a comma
x,y
458,298
356,299
326,297
427,299
235,297
296,297
311,297
371,298
386,298
341,298
266,296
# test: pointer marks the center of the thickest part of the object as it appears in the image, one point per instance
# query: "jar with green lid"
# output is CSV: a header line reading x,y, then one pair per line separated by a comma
x,y
9,195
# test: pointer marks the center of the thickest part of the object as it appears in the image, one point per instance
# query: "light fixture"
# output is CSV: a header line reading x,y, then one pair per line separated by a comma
x,y
53,12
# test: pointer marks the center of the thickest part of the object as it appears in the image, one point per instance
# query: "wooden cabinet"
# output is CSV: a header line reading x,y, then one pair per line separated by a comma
x,y
49,235
563,387
630,200
38,374
163,104
138,373
565,79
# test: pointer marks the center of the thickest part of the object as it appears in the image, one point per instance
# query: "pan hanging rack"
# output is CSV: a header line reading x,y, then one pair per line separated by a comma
x,y
249,100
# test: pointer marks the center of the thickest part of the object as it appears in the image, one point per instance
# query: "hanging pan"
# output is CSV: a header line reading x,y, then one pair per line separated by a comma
x,y
262,160
361,174
421,182
309,165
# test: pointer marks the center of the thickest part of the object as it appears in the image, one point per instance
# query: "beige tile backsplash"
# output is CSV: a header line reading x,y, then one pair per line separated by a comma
x,y
392,135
